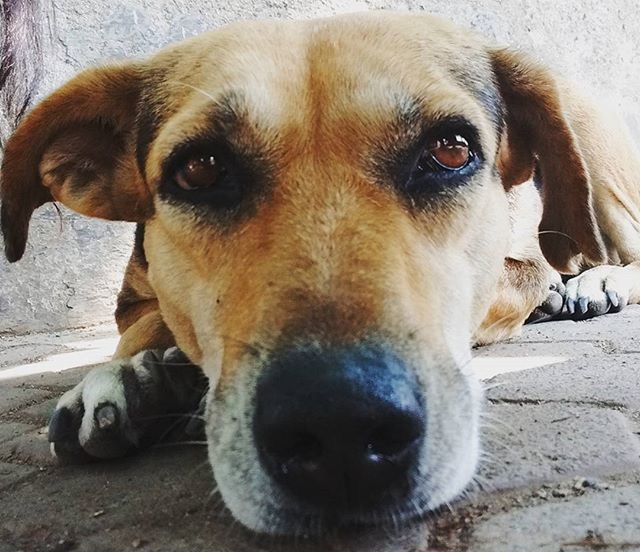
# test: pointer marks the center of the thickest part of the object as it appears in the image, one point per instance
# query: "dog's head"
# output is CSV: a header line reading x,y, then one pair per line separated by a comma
x,y
326,219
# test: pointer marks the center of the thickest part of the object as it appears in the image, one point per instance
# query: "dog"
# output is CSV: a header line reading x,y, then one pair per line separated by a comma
x,y
330,214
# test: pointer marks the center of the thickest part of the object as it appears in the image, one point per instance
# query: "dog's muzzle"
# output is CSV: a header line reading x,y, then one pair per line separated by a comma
x,y
340,431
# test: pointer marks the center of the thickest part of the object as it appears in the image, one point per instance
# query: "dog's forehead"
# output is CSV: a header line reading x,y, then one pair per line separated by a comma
x,y
368,66
406,51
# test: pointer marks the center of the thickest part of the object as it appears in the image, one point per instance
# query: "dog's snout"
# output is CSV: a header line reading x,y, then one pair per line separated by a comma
x,y
341,429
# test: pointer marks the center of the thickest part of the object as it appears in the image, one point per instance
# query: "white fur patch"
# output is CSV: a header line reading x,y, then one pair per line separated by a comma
x,y
101,385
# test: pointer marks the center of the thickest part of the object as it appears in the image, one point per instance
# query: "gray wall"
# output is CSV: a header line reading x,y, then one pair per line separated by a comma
x,y
73,267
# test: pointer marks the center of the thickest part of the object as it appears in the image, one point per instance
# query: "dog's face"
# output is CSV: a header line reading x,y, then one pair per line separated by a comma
x,y
326,220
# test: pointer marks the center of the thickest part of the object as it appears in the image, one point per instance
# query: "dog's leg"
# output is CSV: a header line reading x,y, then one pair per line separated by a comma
x,y
529,289
526,288
126,404
614,164
140,396
138,314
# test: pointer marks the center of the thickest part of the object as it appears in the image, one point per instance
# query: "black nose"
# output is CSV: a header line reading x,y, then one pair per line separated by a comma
x,y
340,429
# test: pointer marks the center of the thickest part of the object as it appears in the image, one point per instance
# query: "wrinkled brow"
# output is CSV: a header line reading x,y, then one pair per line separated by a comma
x,y
227,118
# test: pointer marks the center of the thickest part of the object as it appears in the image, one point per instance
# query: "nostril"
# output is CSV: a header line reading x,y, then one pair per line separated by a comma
x,y
394,439
298,450
385,445
305,448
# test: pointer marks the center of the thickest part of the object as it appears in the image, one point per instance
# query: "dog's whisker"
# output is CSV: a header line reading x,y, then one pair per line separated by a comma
x,y
245,343
221,508
195,88
495,434
494,437
493,385
169,429
168,363
60,219
499,445
198,467
494,421
556,232
208,505
499,322
187,416
483,483
181,443
487,452
488,459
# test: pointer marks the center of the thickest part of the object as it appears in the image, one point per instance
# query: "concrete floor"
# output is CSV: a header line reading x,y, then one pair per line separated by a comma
x,y
562,474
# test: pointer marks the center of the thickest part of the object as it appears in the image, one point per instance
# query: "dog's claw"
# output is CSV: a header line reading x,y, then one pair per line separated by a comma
x,y
614,299
571,306
583,304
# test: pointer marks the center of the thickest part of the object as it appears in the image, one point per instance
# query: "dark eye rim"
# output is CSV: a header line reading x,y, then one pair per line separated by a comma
x,y
437,176
227,191
182,172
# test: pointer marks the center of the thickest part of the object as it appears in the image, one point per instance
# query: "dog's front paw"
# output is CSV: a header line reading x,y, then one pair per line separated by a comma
x,y
105,414
92,419
598,291
552,306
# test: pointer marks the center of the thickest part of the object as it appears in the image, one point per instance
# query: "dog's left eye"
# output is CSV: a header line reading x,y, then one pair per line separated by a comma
x,y
446,153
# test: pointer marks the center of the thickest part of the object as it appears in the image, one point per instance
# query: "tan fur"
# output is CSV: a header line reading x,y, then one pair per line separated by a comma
x,y
138,313
605,212
330,253
524,282
614,168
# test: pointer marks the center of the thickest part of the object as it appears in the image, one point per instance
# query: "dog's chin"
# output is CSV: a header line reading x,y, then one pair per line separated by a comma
x,y
449,462
291,519
283,523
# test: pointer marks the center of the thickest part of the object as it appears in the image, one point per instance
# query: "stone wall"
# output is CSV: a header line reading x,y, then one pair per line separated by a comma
x,y
73,265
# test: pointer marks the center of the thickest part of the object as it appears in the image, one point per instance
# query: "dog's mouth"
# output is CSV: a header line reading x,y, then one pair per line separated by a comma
x,y
320,524
322,440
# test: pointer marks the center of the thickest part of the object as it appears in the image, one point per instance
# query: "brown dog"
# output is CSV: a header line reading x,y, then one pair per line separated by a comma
x,y
331,212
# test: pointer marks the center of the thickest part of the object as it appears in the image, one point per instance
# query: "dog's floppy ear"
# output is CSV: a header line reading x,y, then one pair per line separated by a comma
x,y
539,136
76,147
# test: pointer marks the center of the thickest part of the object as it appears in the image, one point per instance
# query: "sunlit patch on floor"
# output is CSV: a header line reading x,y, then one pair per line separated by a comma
x,y
77,353
488,367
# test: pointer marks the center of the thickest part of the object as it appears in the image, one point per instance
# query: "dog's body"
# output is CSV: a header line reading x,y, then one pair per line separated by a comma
x,y
329,214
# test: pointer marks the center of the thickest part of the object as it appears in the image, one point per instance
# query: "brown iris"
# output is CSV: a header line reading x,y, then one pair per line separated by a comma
x,y
450,152
199,172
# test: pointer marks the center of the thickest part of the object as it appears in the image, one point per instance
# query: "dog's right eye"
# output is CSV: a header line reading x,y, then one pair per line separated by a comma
x,y
202,176
199,172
